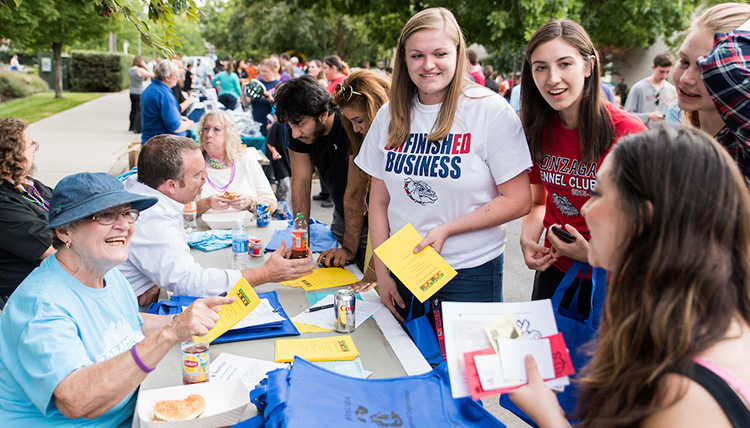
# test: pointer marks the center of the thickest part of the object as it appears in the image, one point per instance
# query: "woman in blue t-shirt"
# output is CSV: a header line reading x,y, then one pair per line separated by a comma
x,y
73,347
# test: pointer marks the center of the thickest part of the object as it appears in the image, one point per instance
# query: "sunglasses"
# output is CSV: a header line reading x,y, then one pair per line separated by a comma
x,y
346,92
656,99
108,217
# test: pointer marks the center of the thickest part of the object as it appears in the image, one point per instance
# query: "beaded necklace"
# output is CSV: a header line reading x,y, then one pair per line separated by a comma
x,y
215,163
34,197
221,189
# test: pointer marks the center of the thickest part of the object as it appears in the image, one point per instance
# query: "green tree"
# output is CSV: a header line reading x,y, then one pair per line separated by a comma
x,y
251,28
43,24
504,25
191,40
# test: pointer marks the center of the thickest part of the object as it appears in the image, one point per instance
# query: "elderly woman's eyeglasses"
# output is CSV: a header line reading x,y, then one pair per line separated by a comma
x,y
108,217
346,92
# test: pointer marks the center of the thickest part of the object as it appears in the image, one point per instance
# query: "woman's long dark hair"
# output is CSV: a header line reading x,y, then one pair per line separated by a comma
x,y
682,273
594,124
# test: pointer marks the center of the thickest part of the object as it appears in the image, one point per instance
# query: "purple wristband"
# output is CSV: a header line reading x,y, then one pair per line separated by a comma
x,y
138,361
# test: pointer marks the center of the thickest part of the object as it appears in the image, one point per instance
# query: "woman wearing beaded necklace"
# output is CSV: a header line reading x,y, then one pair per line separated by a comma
x,y
24,204
228,169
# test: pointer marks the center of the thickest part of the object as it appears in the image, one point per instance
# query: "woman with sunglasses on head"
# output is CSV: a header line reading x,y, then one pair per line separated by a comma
x,y
570,128
73,347
359,97
675,329
24,204
447,156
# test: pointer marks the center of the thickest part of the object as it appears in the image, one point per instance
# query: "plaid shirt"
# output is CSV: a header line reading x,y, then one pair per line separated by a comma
x,y
726,73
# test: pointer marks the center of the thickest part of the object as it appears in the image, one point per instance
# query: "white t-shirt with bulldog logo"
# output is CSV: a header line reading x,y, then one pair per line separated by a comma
x,y
433,183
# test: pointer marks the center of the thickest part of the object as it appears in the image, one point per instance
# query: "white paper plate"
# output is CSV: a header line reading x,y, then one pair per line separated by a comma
x,y
227,219
226,401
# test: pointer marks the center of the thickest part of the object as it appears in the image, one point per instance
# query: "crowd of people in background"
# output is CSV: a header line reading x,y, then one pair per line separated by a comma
x,y
650,184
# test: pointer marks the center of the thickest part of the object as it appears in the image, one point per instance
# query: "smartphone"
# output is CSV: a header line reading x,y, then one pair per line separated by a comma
x,y
564,235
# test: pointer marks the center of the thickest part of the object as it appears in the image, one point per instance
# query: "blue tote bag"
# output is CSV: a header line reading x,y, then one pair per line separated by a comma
x,y
421,332
577,329
307,396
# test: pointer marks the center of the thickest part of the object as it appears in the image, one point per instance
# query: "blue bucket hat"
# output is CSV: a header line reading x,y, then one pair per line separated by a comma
x,y
84,194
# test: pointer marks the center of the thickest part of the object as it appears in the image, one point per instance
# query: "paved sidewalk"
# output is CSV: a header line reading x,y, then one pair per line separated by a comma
x,y
89,138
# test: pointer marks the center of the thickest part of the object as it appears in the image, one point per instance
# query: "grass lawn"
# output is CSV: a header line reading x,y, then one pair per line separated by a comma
x,y
40,106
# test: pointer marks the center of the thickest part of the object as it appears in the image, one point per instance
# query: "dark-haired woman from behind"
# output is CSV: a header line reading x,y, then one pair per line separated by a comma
x,y
24,206
570,128
675,329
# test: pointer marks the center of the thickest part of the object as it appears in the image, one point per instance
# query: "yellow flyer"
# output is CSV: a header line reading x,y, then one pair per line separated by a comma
x,y
423,273
331,348
309,328
245,301
323,278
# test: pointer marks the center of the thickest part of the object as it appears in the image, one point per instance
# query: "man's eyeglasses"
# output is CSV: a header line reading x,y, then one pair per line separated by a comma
x,y
108,217
346,92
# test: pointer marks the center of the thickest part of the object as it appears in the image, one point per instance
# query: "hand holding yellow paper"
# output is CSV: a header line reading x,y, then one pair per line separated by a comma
x,y
423,273
323,278
245,301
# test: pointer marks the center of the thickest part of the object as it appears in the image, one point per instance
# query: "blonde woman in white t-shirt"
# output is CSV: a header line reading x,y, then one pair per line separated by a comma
x,y
447,156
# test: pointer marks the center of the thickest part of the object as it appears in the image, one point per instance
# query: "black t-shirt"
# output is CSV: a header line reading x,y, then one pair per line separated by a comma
x,y
491,84
24,236
277,137
330,155
188,80
178,95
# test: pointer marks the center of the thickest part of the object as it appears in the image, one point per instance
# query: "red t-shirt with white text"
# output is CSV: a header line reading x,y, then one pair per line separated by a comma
x,y
568,180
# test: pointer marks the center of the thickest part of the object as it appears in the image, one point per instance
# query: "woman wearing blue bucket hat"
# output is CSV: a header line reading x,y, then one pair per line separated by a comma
x,y
73,347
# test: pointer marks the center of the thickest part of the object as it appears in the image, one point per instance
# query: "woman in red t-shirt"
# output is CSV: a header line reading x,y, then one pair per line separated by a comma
x,y
570,128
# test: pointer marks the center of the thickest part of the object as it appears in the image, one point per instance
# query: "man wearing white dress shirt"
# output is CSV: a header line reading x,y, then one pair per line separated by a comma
x,y
171,169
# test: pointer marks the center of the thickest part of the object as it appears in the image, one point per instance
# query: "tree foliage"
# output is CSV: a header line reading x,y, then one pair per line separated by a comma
x,y
368,29
251,28
365,29
40,23
189,32
43,24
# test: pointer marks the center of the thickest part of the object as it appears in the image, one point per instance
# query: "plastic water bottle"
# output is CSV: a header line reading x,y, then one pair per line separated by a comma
x,y
239,246
300,237
188,217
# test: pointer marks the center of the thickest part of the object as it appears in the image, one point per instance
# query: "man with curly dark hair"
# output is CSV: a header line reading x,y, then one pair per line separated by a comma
x,y
318,140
